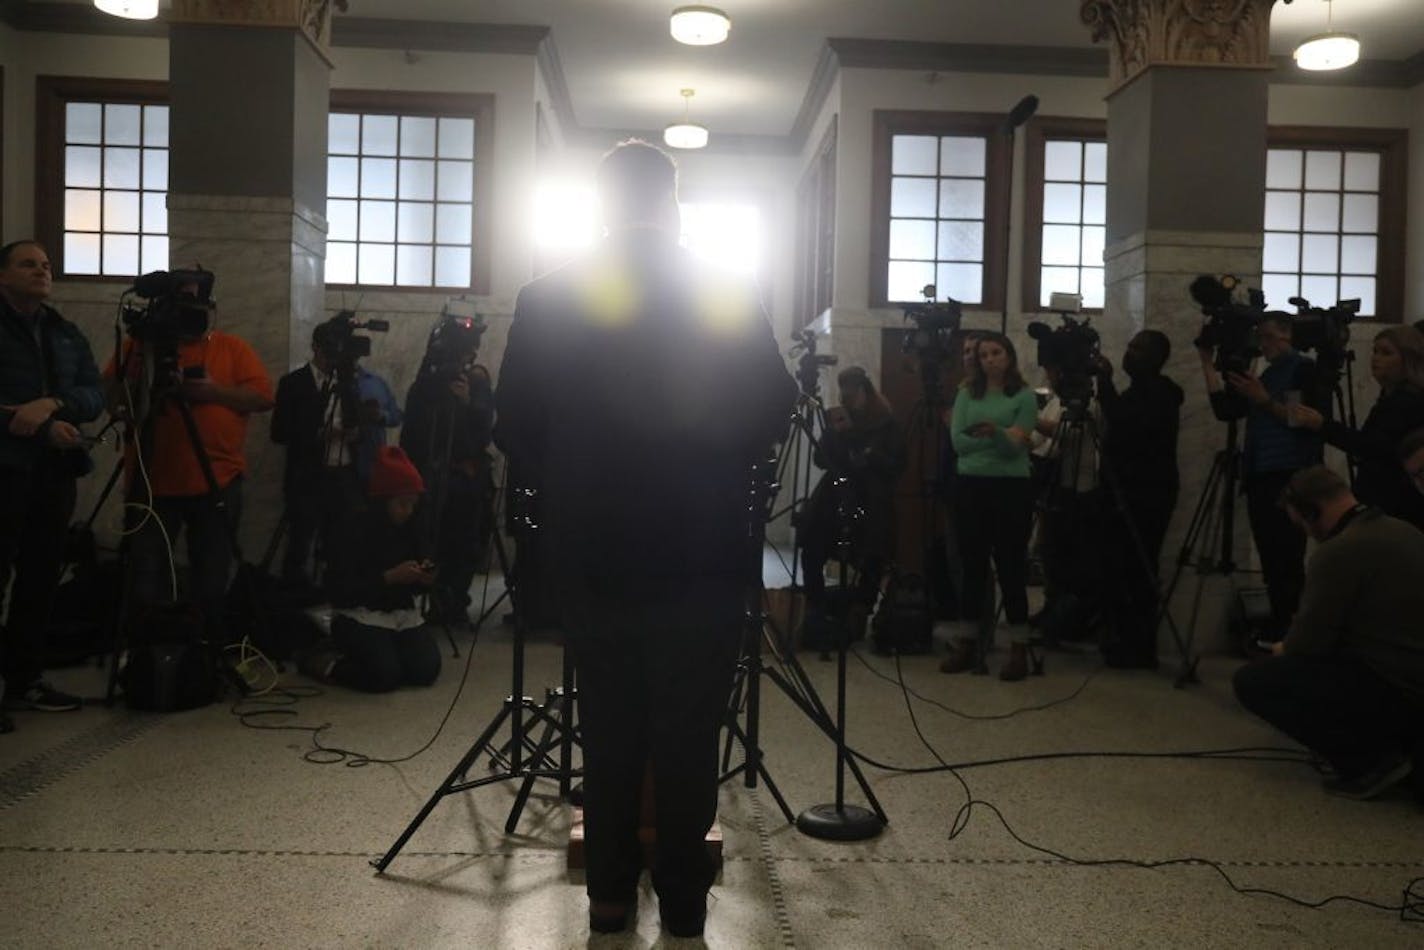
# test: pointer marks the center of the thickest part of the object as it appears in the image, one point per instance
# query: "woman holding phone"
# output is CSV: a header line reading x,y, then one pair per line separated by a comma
x,y
993,416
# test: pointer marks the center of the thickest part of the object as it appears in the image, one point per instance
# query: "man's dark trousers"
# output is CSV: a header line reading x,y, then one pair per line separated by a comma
x,y
1334,705
1280,544
35,508
655,661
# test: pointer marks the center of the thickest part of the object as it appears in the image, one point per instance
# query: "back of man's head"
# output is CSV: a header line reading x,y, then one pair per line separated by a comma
x,y
637,182
1311,491
1156,349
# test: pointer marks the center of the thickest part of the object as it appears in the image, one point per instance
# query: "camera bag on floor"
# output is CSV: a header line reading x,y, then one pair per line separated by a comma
x,y
903,622
168,666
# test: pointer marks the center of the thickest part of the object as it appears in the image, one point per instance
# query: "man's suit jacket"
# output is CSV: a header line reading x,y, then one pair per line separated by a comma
x,y
638,388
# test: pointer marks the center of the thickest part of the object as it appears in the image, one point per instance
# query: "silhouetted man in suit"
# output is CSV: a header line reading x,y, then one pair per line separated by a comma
x,y
638,388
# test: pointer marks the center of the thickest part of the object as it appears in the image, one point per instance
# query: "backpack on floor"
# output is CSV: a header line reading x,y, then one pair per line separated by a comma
x,y
903,623
168,665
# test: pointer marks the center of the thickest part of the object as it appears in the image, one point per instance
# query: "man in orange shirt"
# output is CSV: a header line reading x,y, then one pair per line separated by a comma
x,y
221,381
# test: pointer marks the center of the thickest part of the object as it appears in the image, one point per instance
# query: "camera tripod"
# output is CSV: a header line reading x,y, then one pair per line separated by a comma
x,y
521,758
139,434
1210,540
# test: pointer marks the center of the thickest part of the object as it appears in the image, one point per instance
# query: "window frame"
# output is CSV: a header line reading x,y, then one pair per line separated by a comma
x,y
1393,148
52,95
997,159
816,232
477,106
1037,133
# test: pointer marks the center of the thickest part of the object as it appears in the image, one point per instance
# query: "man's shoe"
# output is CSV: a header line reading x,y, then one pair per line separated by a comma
x,y
684,922
1372,782
42,697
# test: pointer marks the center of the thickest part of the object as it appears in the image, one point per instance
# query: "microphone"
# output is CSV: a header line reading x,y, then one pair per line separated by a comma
x,y
1021,113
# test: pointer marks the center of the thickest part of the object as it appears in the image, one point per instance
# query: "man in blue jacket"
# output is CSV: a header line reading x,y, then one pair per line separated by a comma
x,y
48,385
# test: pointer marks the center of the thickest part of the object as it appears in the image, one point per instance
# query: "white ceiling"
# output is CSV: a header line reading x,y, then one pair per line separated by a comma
x,y
624,71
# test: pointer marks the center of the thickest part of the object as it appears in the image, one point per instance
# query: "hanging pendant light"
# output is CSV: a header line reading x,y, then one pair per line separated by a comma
x,y
129,9
1328,50
699,25
685,134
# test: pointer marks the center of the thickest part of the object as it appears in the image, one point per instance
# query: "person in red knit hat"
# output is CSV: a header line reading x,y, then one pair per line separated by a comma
x,y
378,640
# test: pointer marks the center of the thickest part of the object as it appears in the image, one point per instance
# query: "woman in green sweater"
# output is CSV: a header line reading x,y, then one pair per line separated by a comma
x,y
993,416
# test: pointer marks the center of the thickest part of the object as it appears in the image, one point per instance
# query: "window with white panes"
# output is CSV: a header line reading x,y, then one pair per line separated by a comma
x,y
1074,221
937,217
401,200
115,177
1322,227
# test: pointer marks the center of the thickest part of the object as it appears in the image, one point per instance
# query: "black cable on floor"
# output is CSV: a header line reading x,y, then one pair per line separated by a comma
x,y
1409,908
977,716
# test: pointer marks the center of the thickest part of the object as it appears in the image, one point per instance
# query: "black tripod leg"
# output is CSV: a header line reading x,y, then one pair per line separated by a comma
x,y
456,774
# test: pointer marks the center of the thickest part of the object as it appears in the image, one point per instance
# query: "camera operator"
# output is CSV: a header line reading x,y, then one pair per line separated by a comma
x,y
1347,682
332,438
1397,364
862,452
378,641
1139,457
1273,451
48,385
449,415
221,382
993,416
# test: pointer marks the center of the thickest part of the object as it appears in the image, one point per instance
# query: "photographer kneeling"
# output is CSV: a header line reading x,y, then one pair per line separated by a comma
x,y
1348,680
1397,364
378,640
862,451
1273,451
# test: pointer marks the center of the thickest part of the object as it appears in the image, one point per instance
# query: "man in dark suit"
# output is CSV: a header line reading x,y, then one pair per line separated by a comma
x,y
638,388
331,438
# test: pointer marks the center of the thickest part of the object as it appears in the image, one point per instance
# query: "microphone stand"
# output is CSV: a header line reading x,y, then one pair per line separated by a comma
x,y
1017,116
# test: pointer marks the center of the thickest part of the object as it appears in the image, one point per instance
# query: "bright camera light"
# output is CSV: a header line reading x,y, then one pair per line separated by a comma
x,y
565,216
129,9
726,235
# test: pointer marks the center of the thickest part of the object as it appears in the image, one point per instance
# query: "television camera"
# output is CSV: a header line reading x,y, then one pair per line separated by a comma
x,y
1071,348
1230,328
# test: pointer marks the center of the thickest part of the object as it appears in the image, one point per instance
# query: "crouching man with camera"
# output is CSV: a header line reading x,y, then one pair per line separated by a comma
x,y
1347,682
378,640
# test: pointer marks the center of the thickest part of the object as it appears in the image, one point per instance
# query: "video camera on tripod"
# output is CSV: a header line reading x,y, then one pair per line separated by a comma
x,y
809,363
341,344
1326,331
1072,349
935,322
454,341
178,306
1230,329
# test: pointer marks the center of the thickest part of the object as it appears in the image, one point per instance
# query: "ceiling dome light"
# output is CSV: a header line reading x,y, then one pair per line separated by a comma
x,y
129,9
685,134
700,26
1328,51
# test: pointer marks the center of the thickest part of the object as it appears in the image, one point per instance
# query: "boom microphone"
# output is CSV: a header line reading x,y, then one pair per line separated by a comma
x,y
1021,113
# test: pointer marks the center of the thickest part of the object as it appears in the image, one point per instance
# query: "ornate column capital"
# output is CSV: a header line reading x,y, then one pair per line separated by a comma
x,y
1143,33
311,17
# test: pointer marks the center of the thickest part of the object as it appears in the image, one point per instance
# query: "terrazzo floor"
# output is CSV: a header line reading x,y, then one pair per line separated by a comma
x,y
199,829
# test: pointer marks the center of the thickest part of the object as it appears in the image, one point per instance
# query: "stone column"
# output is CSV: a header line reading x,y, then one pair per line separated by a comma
x,y
247,188
1186,196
